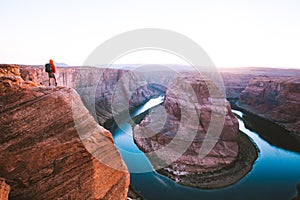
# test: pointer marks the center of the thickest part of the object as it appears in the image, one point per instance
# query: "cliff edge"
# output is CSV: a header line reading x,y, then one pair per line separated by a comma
x,y
275,99
42,155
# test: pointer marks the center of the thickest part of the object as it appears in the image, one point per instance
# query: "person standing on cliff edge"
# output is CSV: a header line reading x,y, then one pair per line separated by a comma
x,y
50,68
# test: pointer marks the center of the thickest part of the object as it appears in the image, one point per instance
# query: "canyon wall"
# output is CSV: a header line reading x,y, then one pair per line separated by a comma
x,y
236,79
276,99
234,84
119,92
105,92
42,155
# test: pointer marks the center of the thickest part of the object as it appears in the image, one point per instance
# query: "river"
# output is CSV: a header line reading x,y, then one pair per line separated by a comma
x,y
275,173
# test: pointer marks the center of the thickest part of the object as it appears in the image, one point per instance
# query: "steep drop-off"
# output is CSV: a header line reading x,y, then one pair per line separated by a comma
x,y
42,155
234,84
119,92
276,99
105,92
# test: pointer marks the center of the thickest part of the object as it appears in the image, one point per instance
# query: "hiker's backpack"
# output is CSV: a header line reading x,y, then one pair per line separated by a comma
x,y
48,68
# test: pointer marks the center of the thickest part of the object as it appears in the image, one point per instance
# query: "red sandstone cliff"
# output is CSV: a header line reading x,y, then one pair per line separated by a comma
x,y
4,189
42,155
276,99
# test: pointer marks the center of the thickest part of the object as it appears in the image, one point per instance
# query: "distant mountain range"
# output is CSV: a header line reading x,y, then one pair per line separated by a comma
x,y
61,65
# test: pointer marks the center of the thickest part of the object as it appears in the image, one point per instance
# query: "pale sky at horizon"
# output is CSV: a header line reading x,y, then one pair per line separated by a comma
x,y
249,33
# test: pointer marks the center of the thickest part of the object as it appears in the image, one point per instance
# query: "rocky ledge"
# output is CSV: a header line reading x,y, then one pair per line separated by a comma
x,y
275,99
182,126
42,155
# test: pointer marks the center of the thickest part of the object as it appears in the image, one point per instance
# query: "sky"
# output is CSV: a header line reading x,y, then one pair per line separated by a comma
x,y
234,33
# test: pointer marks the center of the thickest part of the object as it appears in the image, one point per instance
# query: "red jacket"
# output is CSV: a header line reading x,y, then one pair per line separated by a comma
x,y
52,66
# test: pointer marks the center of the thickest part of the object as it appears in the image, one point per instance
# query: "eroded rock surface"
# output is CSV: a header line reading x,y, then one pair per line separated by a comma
x,y
237,79
224,152
276,99
180,133
42,155
4,189
119,92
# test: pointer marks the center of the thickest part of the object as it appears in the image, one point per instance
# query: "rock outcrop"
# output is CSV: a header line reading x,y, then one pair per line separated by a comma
x,y
276,99
182,130
4,189
237,79
225,150
42,154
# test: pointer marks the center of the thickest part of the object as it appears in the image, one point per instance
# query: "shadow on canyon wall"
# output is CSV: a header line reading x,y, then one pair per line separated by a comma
x,y
272,133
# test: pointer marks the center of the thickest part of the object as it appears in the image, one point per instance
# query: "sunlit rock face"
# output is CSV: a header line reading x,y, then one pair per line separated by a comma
x,y
43,155
276,99
4,189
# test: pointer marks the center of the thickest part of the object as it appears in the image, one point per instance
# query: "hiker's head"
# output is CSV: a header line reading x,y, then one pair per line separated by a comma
x,y
50,61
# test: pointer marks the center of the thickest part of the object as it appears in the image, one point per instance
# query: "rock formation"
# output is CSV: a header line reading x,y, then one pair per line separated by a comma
x,y
112,93
181,131
237,79
42,155
4,189
119,92
235,83
276,99
99,88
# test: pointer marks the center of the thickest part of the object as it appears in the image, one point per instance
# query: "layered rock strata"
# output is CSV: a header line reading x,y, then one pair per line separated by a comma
x,y
42,155
106,92
275,99
237,79
184,127
119,92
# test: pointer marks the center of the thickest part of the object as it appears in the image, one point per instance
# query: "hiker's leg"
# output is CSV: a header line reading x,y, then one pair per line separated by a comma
x,y
55,80
49,81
